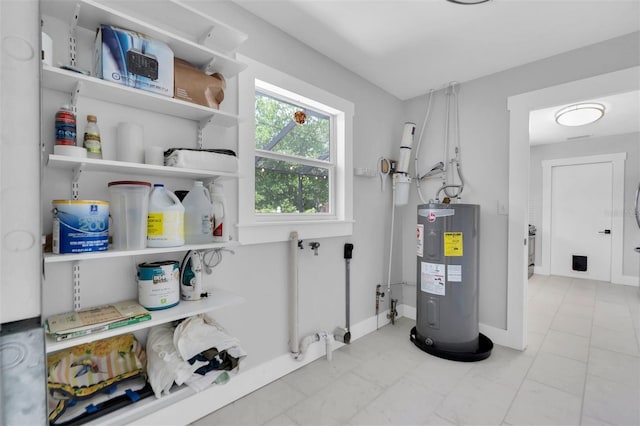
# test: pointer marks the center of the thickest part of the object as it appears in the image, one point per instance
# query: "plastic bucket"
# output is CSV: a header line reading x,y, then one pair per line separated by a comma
x,y
159,284
80,226
129,209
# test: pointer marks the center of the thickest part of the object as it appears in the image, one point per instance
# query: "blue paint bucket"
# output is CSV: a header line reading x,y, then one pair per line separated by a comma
x,y
80,226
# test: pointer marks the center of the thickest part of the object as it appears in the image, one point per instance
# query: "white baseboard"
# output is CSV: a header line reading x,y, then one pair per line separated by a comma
x,y
619,279
628,280
203,403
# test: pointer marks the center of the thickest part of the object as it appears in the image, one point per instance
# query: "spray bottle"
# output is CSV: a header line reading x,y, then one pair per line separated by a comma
x,y
219,209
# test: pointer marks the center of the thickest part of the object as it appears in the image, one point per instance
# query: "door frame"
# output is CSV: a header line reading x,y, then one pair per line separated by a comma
x,y
617,205
519,107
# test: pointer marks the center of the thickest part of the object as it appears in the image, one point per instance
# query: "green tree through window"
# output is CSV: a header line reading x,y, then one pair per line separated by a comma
x,y
293,161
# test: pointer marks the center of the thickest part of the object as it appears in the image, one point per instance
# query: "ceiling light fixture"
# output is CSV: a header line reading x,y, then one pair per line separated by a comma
x,y
580,114
468,2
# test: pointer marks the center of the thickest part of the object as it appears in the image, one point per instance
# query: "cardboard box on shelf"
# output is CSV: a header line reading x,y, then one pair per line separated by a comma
x,y
134,60
193,85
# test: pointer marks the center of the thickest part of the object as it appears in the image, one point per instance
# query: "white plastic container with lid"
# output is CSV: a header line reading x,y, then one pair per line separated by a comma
x,y
165,221
198,222
219,209
129,208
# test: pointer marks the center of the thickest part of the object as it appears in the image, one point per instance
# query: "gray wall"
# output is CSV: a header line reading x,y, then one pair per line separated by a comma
x,y
629,143
259,272
484,131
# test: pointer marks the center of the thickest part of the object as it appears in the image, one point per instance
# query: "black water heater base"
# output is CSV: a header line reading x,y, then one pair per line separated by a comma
x,y
485,345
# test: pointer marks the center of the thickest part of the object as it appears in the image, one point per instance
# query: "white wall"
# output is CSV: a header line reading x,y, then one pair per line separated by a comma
x,y
484,130
259,272
628,143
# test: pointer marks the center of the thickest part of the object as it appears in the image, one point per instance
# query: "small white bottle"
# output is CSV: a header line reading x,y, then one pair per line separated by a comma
x,y
219,209
198,222
165,221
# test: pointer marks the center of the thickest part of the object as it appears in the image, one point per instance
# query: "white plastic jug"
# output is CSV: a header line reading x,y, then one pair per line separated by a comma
x,y
219,208
198,221
129,208
165,221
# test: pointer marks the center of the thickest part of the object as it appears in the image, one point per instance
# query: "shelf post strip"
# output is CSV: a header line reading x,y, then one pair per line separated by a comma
x,y
75,181
201,126
72,36
76,286
74,96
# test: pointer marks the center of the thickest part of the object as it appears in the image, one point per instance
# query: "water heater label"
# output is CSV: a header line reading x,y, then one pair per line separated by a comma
x,y
453,244
420,237
432,278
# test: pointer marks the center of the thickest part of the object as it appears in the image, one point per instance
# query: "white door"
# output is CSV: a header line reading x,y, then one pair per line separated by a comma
x,y
581,213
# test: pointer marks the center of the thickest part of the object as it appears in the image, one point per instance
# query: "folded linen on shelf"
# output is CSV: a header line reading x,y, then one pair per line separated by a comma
x,y
201,339
82,372
197,352
218,160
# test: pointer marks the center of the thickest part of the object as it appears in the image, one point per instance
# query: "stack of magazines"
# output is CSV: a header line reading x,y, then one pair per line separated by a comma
x,y
93,320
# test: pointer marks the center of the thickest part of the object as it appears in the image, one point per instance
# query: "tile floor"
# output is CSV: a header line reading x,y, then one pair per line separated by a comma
x,y
582,367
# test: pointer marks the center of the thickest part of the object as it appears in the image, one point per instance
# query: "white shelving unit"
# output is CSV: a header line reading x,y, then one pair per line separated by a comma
x,y
196,38
81,85
91,15
218,299
95,165
98,255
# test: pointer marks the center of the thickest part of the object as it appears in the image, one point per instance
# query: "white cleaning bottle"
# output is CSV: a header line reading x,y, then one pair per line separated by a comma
x,y
219,209
198,221
165,221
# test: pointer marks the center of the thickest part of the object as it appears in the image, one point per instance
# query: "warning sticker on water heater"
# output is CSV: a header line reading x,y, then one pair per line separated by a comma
x,y
432,278
453,244
420,238
454,273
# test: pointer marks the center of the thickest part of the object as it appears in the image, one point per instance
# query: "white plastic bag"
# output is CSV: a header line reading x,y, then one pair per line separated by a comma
x,y
164,364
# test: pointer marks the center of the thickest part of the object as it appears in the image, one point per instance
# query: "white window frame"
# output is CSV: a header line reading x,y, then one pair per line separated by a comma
x,y
260,228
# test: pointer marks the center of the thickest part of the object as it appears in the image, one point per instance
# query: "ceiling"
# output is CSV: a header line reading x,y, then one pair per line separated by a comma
x,y
408,47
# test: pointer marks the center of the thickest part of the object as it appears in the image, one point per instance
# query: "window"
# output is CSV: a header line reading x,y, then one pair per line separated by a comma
x,y
295,158
293,161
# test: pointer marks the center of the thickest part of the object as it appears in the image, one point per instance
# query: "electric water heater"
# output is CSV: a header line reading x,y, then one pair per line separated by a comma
x,y
447,282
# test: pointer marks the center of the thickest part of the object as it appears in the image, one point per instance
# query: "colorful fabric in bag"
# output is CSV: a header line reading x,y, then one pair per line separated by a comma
x,y
82,371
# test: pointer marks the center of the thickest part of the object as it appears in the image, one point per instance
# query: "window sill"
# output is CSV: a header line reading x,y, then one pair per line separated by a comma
x,y
272,232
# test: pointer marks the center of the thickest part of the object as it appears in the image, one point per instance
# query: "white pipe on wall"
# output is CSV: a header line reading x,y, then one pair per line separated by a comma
x,y
293,294
299,347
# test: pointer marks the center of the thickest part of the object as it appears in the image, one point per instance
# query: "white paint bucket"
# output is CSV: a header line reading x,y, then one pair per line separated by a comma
x,y
159,284
80,226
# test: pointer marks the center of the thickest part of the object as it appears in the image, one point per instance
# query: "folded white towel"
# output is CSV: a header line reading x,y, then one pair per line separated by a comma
x,y
201,160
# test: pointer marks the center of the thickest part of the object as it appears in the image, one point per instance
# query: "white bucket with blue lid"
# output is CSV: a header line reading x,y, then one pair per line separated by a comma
x,y
80,226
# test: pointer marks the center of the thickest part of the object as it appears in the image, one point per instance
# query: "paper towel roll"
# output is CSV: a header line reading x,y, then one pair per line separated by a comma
x,y
130,143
